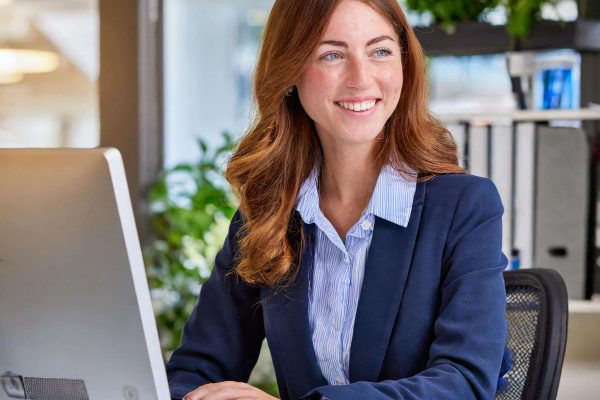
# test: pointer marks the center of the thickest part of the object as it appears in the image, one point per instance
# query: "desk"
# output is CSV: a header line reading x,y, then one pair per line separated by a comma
x,y
579,381
580,377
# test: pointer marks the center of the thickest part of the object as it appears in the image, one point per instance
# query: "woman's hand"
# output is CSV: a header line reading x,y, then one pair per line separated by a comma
x,y
227,390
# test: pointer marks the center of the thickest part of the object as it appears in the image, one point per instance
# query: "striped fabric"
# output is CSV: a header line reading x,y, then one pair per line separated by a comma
x,y
339,268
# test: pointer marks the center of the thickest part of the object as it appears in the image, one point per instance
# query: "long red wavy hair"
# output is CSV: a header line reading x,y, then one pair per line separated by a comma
x,y
280,149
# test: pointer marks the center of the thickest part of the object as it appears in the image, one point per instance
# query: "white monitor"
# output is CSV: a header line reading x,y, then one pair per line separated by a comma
x,y
74,300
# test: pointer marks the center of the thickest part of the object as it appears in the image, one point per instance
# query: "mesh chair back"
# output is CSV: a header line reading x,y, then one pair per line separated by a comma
x,y
536,311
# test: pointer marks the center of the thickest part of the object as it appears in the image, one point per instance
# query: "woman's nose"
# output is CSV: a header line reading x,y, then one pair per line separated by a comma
x,y
358,75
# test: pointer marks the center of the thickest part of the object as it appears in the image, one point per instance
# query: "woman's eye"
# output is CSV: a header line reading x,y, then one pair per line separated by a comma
x,y
331,57
382,52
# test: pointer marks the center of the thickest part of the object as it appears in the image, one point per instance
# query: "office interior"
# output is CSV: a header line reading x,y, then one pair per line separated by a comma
x,y
150,77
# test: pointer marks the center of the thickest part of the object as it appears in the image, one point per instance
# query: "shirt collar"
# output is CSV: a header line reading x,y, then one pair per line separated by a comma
x,y
391,200
307,202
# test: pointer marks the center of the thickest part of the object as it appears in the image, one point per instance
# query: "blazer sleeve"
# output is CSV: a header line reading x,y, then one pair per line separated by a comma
x,y
222,338
470,330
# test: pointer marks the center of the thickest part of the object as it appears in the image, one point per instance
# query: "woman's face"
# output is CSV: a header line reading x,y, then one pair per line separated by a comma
x,y
352,82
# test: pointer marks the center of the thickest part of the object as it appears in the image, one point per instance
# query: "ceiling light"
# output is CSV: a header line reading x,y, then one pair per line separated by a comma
x,y
6,79
17,61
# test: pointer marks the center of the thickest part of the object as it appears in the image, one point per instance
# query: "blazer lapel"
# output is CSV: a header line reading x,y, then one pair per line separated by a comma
x,y
386,270
287,309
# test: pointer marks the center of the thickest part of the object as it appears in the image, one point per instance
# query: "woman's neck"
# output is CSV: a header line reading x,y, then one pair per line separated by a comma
x,y
346,185
348,177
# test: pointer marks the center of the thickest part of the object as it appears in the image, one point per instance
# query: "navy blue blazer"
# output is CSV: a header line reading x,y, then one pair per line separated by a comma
x,y
430,322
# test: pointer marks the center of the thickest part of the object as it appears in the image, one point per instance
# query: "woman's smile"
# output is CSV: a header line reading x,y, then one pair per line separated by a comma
x,y
358,108
352,82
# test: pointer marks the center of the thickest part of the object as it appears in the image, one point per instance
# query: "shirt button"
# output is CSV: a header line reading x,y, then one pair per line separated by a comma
x,y
366,225
339,380
346,258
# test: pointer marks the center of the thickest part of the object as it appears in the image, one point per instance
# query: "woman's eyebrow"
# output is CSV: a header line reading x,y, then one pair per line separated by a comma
x,y
340,43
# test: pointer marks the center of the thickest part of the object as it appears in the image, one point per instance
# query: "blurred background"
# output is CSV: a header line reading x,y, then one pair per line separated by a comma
x,y
168,82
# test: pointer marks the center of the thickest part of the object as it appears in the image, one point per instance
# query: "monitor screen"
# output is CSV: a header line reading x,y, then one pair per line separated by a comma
x,y
74,300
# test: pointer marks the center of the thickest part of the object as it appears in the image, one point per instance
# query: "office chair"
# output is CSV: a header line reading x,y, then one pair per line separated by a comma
x,y
536,311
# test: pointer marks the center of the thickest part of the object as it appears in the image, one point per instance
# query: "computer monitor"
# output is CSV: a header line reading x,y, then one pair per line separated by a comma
x,y
75,307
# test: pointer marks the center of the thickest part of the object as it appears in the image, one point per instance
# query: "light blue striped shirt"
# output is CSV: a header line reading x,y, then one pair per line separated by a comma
x,y
339,269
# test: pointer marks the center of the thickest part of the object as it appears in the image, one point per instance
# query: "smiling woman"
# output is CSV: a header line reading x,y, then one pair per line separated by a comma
x,y
368,278
353,77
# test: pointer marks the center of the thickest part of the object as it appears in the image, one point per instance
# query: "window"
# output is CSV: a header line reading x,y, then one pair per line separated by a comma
x,y
210,52
48,75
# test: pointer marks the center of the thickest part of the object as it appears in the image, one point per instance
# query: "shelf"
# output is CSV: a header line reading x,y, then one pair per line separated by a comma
x,y
583,114
474,38
584,307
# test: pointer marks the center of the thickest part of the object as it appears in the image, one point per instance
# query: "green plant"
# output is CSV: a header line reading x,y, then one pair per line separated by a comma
x,y
191,206
449,12
520,13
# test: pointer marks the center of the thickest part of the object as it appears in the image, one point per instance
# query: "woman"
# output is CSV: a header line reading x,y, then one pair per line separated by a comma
x,y
367,257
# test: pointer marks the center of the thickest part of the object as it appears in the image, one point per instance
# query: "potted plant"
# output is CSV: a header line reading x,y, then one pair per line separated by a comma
x,y
461,27
520,13
190,207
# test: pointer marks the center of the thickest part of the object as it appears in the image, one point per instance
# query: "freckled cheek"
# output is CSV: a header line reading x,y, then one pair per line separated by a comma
x,y
318,82
316,87
394,82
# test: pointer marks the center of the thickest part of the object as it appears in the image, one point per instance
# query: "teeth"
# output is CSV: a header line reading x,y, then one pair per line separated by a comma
x,y
361,106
